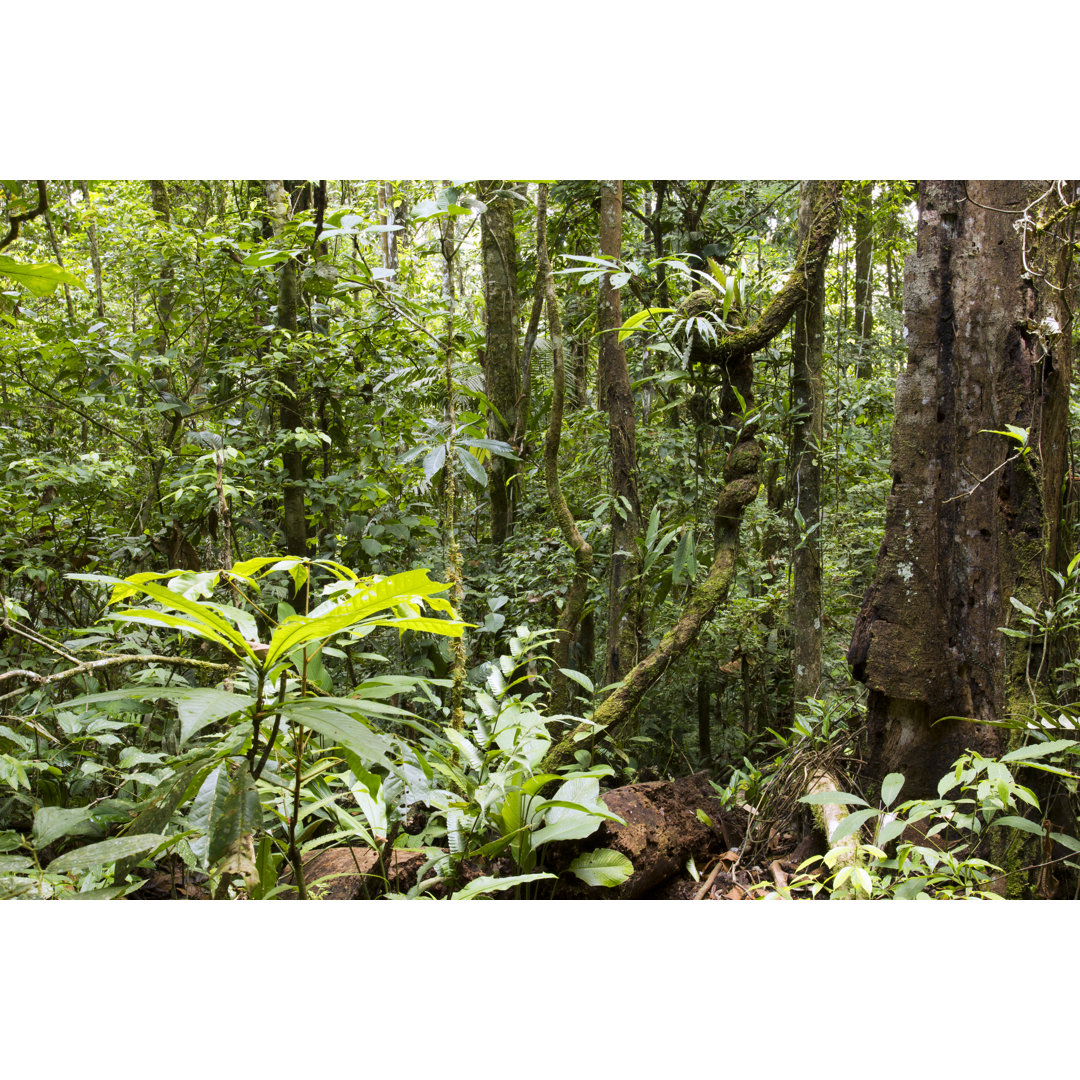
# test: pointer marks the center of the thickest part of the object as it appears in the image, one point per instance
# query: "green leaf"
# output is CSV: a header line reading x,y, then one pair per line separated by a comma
x,y
636,322
1020,823
53,822
654,528
890,788
203,705
42,279
1066,841
851,823
580,678
482,885
434,461
891,830
472,466
602,867
833,798
266,258
94,855
1037,750
341,728
240,815
682,553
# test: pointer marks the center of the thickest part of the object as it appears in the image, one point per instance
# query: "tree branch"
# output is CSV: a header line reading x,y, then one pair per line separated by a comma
x,y
18,219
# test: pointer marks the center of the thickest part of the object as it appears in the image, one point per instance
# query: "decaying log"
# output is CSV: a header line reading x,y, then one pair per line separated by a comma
x,y
662,831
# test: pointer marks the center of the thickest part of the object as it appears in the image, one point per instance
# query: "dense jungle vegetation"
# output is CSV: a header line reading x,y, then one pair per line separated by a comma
x,y
488,538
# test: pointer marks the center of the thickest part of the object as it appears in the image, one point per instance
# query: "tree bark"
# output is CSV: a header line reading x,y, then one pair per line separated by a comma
x,y
970,522
808,401
502,371
625,628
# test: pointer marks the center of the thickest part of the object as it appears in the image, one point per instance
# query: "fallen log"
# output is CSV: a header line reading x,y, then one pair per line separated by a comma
x,y
661,833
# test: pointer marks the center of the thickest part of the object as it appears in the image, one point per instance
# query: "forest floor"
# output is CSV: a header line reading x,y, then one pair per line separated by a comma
x,y
683,843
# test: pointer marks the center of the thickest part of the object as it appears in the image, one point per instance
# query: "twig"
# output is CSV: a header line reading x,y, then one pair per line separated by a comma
x,y
704,890
110,661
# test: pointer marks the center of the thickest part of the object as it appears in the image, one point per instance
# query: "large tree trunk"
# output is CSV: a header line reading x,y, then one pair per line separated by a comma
x,y
970,521
624,597
808,394
502,371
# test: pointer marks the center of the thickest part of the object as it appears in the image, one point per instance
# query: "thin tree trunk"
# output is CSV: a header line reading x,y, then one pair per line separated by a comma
x,y
808,402
454,567
624,597
583,553
502,372
54,243
95,257
864,277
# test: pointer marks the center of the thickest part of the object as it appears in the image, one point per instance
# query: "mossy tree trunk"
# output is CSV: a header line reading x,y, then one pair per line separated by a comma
x,y
625,616
971,520
808,402
502,369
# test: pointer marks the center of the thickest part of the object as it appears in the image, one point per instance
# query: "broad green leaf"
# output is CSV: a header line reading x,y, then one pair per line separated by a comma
x,y
42,279
241,815
156,812
434,461
654,527
203,705
1037,750
890,788
266,868
150,617
851,823
832,798
911,888
266,258
368,745
377,596
637,321
1066,841
891,830
94,855
602,867
682,553
472,466
1012,822
206,809
482,885
52,822
580,678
